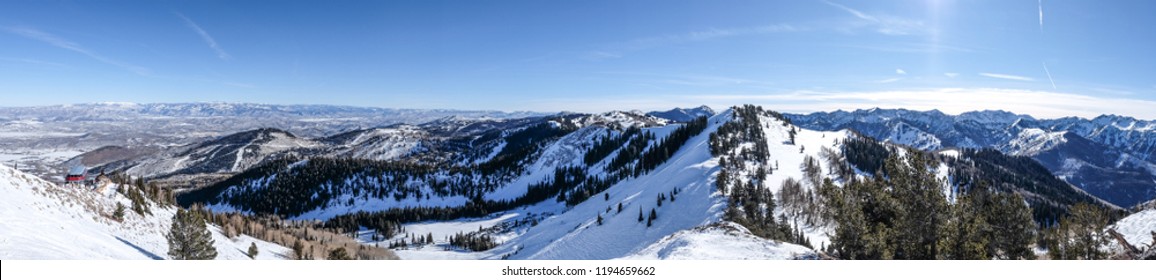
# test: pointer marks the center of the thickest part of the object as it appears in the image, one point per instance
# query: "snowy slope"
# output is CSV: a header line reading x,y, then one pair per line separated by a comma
x,y
42,220
1137,228
576,235
380,143
567,151
728,241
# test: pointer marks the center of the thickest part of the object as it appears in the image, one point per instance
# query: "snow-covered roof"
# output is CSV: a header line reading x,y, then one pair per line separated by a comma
x,y
76,170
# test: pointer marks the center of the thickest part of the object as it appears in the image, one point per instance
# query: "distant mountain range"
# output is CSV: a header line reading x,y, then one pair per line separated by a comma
x,y
1112,157
684,115
685,183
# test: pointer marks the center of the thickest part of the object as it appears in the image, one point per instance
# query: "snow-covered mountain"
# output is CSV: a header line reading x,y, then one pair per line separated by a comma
x,y
616,185
1109,156
684,115
41,138
43,220
572,186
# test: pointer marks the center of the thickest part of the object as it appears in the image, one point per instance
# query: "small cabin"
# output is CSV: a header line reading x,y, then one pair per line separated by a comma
x,y
75,175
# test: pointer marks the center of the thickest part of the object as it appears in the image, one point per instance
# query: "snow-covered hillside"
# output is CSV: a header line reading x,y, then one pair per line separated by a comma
x,y
575,234
727,241
1109,156
1137,228
42,220
689,224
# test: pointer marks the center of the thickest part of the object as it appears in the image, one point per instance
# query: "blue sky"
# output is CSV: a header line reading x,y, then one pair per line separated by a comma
x,y
1047,58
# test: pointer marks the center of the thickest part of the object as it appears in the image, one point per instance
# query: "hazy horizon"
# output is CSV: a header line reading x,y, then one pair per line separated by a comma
x,y
1029,57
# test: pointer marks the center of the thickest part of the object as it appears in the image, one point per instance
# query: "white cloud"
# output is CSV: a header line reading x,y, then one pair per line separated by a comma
x,y
900,72
1007,77
1041,104
888,81
205,36
886,25
856,13
951,75
58,42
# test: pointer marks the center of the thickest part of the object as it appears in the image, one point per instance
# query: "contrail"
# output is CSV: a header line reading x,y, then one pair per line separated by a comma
x,y
1049,75
1041,15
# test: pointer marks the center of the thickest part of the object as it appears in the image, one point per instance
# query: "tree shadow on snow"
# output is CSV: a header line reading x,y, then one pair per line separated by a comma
x,y
139,249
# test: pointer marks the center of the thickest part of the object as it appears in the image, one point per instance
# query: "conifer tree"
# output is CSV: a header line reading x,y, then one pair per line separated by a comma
x,y
189,238
339,254
118,214
253,250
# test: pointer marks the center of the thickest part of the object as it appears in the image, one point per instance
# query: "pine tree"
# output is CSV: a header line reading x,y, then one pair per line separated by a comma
x,y
639,215
253,250
118,214
189,238
299,249
339,254
599,218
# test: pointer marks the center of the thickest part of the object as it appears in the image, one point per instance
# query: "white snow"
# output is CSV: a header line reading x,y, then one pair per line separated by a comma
x,y
728,241
950,153
1032,141
1137,228
575,234
42,220
911,136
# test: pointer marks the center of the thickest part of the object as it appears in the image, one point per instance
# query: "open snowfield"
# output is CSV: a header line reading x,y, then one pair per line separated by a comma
x,y
42,220
727,241
1137,228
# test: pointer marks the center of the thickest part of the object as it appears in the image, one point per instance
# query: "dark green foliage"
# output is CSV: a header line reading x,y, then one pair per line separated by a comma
x,y
475,241
133,192
299,250
1080,235
748,203
606,145
1013,231
253,250
189,238
339,254
118,214
905,216
895,217
1005,173
865,153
